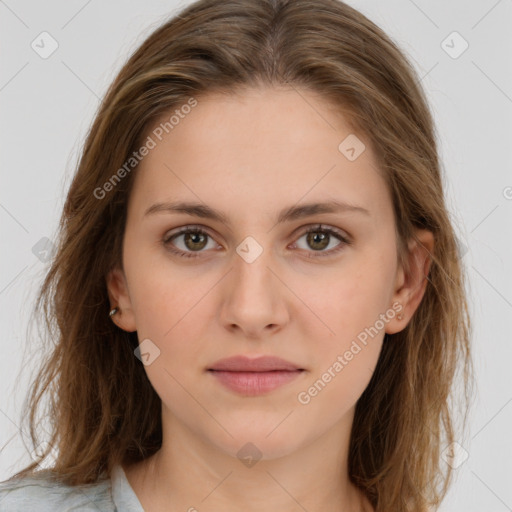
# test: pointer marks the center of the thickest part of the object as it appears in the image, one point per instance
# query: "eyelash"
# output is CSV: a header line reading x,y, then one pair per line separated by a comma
x,y
314,229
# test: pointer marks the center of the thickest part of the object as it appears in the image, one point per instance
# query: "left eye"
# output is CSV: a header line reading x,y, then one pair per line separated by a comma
x,y
319,238
196,239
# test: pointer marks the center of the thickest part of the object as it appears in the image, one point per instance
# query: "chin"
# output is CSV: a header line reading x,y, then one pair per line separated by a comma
x,y
256,443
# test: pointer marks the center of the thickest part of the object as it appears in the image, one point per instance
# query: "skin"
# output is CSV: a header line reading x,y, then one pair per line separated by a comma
x,y
251,155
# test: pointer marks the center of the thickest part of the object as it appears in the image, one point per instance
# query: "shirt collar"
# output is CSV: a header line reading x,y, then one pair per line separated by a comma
x,y
123,495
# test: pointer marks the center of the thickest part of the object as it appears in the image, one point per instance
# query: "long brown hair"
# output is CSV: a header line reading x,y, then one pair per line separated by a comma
x,y
102,407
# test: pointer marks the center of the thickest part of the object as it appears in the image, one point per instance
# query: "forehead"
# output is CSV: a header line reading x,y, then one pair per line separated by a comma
x,y
258,147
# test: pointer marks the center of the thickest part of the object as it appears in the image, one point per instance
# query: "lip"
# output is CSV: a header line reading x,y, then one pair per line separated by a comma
x,y
254,376
255,364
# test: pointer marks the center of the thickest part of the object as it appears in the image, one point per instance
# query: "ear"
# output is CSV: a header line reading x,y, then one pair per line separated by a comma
x,y
410,287
119,296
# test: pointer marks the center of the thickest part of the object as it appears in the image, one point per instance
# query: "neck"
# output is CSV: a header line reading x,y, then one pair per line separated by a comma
x,y
188,474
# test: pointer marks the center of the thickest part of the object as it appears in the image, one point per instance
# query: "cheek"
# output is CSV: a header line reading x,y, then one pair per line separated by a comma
x,y
334,391
344,360
349,300
172,309
162,292
349,307
171,314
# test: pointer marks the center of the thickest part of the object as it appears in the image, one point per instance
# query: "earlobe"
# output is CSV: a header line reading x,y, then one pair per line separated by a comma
x,y
412,282
119,297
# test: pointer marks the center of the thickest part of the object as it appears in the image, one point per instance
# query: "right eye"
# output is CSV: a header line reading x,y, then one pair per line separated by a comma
x,y
194,240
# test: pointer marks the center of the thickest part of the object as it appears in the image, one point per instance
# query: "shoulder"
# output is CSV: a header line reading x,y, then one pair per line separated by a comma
x,y
45,494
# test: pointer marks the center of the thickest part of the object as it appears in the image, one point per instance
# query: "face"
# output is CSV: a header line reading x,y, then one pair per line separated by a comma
x,y
251,283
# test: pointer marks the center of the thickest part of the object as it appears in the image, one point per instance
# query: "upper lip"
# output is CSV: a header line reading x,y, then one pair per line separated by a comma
x,y
258,364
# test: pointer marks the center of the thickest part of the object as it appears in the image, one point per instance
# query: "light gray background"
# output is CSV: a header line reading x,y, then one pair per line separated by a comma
x,y
48,104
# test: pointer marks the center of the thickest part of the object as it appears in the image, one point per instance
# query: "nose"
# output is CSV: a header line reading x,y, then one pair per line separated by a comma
x,y
254,298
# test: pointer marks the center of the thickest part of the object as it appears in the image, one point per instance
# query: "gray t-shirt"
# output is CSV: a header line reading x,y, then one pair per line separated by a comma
x,y
39,493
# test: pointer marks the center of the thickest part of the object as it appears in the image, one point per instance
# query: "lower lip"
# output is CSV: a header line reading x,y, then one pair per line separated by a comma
x,y
255,383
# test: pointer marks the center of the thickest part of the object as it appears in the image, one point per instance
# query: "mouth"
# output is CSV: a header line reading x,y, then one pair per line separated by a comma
x,y
250,377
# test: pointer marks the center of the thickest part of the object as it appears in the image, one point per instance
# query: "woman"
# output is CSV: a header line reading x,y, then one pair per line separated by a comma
x,y
257,297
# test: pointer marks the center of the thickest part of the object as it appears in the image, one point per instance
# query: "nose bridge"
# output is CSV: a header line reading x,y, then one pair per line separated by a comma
x,y
252,267
253,300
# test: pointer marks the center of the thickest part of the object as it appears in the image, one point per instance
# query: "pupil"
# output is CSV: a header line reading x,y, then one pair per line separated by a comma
x,y
315,238
193,237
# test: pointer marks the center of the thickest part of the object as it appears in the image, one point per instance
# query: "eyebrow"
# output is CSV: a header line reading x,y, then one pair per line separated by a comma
x,y
286,215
